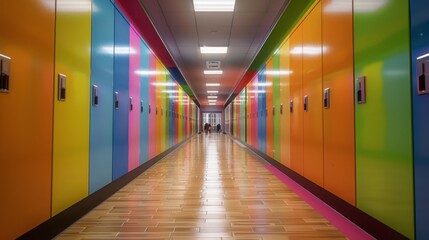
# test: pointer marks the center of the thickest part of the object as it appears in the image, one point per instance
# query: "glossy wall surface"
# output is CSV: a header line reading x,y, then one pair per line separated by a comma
x,y
420,48
26,146
384,160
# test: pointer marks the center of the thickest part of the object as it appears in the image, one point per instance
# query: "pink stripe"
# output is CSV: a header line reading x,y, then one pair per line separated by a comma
x,y
344,225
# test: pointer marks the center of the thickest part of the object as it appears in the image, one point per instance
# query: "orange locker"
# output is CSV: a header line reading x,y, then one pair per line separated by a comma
x,y
312,96
284,104
339,150
26,113
295,103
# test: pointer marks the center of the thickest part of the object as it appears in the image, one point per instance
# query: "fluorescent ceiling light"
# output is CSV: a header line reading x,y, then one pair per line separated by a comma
x,y
212,91
212,100
214,5
212,84
211,96
212,103
278,72
214,50
151,73
213,72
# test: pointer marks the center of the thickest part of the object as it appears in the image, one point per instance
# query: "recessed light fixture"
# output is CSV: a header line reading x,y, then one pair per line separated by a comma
x,y
212,103
212,91
212,84
213,50
213,72
214,5
211,96
212,100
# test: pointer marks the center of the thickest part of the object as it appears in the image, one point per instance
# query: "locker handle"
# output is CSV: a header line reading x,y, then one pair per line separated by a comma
x,y
306,103
4,73
141,106
266,112
361,90
116,97
423,75
62,87
281,109
291,106
327,98
131,103
95,95
149,109
156,110
162,111
274,110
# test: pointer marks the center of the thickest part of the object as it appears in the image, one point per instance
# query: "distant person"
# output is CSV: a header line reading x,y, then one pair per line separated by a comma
x,y
206,127
210,128
218,128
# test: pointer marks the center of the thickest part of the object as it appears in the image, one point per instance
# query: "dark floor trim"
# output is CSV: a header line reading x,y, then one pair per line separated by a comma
x,y
371,225
55,225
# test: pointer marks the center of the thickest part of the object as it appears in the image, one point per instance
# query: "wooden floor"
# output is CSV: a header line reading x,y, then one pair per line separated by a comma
x,y
210,188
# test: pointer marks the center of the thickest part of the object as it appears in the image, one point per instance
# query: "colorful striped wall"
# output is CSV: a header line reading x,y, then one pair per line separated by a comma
x,y
121,108
303,110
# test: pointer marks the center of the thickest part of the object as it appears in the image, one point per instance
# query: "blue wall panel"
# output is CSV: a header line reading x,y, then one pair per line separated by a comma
x,y
100,163
144,92
420,47
262,133
120,85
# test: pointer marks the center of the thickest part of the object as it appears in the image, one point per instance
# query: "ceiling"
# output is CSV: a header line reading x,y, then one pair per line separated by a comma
x,y
183,31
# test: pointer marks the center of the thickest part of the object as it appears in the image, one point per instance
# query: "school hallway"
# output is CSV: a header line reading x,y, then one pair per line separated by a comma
x,y
211,187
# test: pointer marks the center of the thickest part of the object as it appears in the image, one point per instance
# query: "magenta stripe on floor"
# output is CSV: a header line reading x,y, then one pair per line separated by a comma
x,y
349,229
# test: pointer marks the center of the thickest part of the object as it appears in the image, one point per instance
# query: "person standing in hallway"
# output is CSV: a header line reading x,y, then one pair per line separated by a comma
x,y
218,128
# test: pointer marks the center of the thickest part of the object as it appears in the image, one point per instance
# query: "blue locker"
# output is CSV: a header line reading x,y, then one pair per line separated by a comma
x,y
120,101
420,48
144,92
262,102
100,162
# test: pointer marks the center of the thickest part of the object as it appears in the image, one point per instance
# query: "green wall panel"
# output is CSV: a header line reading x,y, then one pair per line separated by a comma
x,y
383,124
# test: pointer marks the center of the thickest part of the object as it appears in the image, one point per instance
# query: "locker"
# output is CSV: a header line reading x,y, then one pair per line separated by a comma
x,y
261,110
338,113
285,122
384,162
144,108
269,106
151,108
243,115
420,49
30,98
295,103
121,101
312,88
101,134
134,102
71,147
275,112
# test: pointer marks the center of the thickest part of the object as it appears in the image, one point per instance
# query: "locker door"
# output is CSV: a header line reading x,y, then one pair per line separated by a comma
x,y
384,161
262,110
338,85
151,108
71,115
26,113
285,129
276,103
269,106
121,95
100,159
144,108
134,103
295,105
312,88
420,47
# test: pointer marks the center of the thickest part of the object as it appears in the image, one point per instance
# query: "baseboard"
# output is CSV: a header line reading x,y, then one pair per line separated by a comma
x,y
371,225
58,223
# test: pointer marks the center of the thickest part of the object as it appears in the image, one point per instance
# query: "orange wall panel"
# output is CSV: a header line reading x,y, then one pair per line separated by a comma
x,y
26,114
339,150
312,87
296,116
